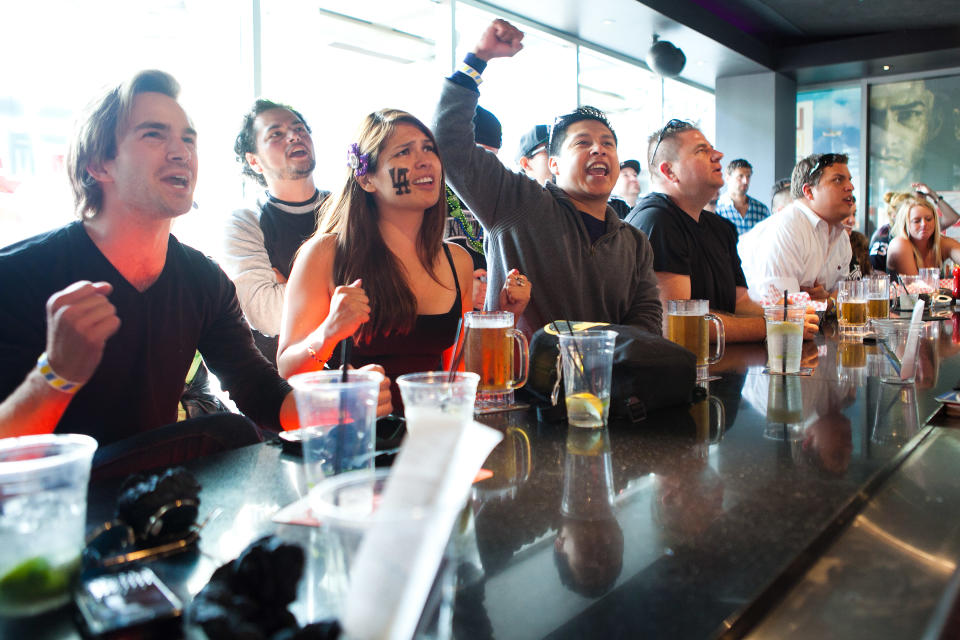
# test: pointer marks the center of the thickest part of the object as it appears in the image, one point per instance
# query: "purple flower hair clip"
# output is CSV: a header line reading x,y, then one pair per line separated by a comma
x,y
357,161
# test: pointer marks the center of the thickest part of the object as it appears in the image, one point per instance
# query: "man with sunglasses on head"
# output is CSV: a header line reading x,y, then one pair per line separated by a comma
x,y
586,263
695,251
804,247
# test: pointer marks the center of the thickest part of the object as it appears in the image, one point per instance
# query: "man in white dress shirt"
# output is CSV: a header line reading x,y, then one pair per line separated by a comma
x,y
804,247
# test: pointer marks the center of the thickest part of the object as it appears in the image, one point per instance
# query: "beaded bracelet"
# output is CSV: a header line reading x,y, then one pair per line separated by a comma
x,y
315,356
55,381
470,72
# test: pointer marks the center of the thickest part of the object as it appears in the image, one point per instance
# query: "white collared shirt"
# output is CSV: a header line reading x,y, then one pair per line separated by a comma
x,y
795,248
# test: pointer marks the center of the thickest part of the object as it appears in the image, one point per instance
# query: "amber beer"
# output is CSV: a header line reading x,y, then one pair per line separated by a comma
x,y
853,312
488,353
878,308
691,333
687,326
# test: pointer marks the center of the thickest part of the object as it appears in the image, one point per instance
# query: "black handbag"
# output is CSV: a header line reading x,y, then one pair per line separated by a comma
x,y
649,372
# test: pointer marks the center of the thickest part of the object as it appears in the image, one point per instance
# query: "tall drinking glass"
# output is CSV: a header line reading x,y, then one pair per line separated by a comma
x,y
337,421
587,364
687,325
878,296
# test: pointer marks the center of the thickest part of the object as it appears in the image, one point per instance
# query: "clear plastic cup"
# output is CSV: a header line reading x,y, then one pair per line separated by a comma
x,y
432,397
897,352
784,338
338,421
43,515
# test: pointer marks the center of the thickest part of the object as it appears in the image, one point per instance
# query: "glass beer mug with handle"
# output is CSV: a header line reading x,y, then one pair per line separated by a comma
x,y
688,325
489,351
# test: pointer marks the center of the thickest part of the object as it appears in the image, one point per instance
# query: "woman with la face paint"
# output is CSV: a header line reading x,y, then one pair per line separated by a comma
x,y
378,270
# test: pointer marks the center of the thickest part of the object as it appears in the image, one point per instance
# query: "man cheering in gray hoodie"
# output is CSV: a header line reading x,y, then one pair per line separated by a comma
x,y
585,263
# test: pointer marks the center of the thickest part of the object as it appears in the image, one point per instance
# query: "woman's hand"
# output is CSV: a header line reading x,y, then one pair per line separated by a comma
x,y
384,401
479,288
515,293
349,308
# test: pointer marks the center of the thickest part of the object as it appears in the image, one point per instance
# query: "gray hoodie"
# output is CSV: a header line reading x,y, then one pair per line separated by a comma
x,y
539,231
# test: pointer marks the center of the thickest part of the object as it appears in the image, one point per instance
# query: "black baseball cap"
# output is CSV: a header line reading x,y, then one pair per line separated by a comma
x,y
532,139
633,164
486,129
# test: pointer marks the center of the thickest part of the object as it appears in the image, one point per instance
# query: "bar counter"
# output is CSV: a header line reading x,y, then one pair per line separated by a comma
x,y
698,522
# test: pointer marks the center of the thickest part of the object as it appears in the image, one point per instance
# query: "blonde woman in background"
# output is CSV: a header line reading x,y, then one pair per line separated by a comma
x,y
917,241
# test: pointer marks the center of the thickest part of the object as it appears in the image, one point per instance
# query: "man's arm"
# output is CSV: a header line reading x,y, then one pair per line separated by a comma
x,y
486,186
80,319
246,261
736,328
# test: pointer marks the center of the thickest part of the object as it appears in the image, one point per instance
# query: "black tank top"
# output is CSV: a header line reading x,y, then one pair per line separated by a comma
x,y
419,350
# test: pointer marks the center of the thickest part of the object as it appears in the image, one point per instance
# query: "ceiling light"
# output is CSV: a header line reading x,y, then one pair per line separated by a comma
x,y
607,21
886,67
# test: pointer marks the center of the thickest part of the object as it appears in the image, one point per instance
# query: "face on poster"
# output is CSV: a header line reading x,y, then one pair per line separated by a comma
x,y
914,136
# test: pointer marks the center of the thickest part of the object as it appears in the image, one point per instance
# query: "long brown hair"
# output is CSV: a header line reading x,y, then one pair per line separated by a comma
x,y
361,251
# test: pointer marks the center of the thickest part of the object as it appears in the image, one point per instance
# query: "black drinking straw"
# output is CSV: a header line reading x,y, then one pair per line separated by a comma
x,y
457,353
345,347
583,372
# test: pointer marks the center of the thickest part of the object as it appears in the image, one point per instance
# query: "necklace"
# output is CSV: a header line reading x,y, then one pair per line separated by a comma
x,y
456,212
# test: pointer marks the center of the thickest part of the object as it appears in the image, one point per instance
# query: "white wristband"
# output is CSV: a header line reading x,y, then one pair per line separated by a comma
x,y
471,73
55,381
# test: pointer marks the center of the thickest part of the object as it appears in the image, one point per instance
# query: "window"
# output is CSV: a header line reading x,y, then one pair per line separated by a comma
x,y
531,88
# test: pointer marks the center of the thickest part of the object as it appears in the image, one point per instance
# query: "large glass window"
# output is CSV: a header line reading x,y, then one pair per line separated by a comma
x,y
530,88
335,60
54,71
630,96
338,60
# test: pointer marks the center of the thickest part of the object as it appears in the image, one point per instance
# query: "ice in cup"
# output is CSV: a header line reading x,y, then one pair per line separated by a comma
x,y
587,358
488,351
337,421
784,337
43,515
433,397
878,296
688,326
852,304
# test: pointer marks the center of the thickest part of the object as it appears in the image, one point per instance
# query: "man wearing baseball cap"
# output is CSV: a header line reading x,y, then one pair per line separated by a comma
x,y
532,154
625,192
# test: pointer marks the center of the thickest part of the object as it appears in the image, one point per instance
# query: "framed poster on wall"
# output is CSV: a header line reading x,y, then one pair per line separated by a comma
x,y
914,137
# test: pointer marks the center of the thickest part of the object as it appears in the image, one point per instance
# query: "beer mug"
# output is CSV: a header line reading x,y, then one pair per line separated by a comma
x,y
687,325
488,351
852,303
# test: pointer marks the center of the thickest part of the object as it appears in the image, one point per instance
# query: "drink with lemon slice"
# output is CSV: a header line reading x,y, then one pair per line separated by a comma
x,y
587,410
587,362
